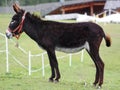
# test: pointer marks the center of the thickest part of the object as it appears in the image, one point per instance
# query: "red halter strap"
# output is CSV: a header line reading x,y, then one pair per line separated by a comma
x,y
19,27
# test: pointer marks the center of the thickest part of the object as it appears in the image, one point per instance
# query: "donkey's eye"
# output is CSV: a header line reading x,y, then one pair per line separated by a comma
x,y
12,22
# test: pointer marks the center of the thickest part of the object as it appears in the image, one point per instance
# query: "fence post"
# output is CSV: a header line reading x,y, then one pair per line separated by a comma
x,y
43,66
29,63
82,54
7,61
70,60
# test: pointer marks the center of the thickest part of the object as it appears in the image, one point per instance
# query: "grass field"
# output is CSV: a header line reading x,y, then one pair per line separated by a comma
x,y
73,78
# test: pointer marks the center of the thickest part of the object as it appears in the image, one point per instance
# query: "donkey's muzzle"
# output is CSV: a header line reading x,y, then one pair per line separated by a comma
x,y
8,34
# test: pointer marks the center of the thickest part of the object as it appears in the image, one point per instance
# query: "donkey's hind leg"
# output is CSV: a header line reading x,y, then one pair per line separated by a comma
x,y
97,70
94,53
101,63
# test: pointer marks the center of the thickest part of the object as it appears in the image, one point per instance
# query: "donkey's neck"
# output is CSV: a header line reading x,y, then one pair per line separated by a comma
x,y
32,26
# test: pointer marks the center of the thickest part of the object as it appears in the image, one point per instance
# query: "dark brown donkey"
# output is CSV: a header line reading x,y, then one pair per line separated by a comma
x,y
66,37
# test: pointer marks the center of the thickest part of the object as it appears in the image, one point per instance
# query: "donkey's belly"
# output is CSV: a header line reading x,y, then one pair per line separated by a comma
x,y
73,50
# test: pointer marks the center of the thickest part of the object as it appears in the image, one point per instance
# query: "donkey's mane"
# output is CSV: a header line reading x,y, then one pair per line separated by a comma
x,y
34,18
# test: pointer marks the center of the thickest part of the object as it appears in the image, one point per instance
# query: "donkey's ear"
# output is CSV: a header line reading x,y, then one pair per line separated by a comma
x,y
16,8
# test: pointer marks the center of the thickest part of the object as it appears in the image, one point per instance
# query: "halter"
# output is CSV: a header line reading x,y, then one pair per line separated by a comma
x,y
19,27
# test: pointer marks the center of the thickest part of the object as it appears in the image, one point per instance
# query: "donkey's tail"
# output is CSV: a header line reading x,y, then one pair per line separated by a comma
x,y
107,40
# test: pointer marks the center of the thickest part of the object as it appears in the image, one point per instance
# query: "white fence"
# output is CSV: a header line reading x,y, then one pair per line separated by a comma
x,y
9,54
29,66
43,64
5,51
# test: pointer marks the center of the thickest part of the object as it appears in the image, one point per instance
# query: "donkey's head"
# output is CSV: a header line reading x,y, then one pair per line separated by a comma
x,y
15,27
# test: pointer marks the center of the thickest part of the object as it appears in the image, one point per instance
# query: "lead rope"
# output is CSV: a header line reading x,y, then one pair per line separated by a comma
x,y
17,44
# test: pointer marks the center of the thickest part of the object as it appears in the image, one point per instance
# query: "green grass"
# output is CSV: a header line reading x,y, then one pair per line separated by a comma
x,y
73,78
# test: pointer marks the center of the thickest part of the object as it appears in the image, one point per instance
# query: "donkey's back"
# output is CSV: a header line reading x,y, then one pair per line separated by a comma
x,y
73,37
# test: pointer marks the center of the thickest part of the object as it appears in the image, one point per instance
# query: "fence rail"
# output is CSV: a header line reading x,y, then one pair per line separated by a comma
x,y
43,64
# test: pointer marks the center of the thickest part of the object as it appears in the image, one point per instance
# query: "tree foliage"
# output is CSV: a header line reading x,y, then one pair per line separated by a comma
x,y
2,2
25,2
33,2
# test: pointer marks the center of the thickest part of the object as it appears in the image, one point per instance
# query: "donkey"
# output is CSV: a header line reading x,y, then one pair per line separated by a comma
x,y
65,37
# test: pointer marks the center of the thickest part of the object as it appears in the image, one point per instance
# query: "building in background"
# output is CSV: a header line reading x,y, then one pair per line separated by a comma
x,y
81,6
48,7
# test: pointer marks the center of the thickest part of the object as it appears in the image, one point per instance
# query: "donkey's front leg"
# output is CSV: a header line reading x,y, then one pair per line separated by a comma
x,y
54,65
53,72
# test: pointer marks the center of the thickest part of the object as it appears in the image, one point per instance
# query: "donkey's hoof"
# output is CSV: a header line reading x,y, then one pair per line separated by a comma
x,y
94,85
99,87
51,80
56,81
